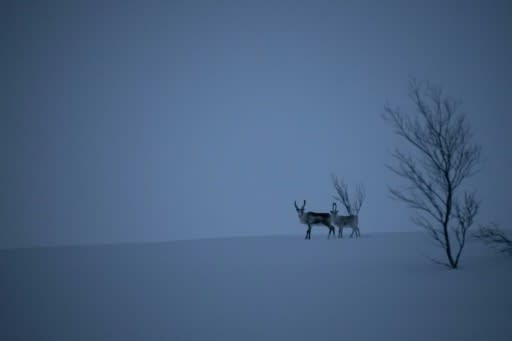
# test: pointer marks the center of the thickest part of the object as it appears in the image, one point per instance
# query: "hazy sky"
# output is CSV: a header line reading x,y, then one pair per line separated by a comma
x,y
160,120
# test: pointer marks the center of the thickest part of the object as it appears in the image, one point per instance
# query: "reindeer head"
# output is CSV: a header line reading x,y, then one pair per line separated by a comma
x,y
300,211
334,210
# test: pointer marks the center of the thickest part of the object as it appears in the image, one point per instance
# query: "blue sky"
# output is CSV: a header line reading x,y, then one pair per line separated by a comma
x,y
155,120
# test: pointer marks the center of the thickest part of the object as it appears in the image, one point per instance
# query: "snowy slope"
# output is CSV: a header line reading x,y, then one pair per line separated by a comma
x,y
379,287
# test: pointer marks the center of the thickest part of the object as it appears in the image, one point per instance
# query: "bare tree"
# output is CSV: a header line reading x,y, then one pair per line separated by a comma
x,y
442,156
352,206
496,237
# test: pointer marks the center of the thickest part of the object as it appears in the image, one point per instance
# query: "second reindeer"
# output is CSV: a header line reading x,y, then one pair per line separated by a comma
x,y
353,207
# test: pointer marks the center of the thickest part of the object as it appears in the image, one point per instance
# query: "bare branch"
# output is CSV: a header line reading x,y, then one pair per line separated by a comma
x,y
434,232
352,206
496,237
342,193
359,197
436,261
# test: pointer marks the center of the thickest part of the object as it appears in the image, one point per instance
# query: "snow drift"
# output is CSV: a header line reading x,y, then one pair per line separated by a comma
x,y
379,287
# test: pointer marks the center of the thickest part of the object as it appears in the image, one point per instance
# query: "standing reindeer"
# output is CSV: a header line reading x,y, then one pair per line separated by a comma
x,y
341,221
353,208
314,218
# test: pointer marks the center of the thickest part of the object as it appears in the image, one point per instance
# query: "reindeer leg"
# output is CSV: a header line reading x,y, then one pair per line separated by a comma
x,y
332,230
308,234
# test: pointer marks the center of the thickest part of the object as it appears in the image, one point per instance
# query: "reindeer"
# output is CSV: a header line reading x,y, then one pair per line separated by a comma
x,y
341,221
314,218
353,208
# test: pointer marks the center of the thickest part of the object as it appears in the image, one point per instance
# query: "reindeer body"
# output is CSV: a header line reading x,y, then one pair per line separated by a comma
x,y
351,221
314,218
342,221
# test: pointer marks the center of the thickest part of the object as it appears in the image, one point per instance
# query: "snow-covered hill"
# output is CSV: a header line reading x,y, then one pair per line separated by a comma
x,y
379,287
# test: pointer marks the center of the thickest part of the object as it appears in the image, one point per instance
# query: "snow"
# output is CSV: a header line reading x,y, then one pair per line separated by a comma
x,y
378,287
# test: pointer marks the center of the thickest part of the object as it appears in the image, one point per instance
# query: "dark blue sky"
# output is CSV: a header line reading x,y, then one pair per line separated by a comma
x,y
159,120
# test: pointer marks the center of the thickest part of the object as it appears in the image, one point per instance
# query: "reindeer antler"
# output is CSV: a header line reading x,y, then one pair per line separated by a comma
x,y
297,207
